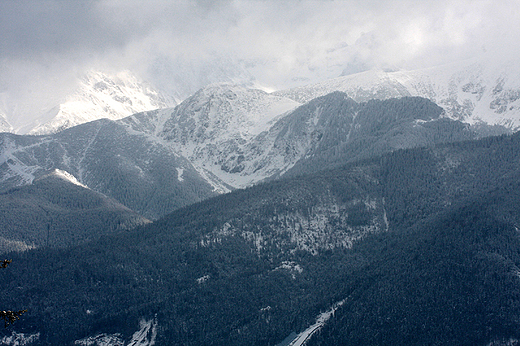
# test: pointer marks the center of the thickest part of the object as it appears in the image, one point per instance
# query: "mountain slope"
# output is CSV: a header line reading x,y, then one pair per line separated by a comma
x,y
55,210
420,244
333,130
183,267
136,170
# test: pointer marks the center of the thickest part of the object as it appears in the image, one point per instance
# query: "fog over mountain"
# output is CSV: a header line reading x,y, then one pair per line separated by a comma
x,y
47,47
288,173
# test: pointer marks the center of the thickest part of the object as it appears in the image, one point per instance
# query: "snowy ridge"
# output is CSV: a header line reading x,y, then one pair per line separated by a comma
x,y
475,90
100,96
64,176
361,87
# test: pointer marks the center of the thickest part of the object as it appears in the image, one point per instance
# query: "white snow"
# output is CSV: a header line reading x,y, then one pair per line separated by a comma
x,y
180,172
203,279
20,339
65,176
100,95
146,335
8,245
102,340
321,320
289,265
4,124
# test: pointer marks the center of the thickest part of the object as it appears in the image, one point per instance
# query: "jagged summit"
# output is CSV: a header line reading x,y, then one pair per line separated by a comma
x,y
225,111
214,126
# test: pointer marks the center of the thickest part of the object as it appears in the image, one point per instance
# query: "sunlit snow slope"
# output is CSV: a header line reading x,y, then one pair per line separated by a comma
x,y
99,96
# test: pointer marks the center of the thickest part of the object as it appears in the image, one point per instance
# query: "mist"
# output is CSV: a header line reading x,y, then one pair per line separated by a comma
x,y
180,46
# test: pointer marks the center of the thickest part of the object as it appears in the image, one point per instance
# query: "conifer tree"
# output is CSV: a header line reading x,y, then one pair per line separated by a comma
x,y
9,316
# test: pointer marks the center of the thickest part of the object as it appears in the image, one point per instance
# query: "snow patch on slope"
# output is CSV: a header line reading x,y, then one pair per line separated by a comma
x,y
8,245
14,167
145,336
180,172
326,227
65,176
101,340
20,339
302,338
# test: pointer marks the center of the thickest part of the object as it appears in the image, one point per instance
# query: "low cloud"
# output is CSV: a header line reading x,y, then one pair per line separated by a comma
x,y
181,45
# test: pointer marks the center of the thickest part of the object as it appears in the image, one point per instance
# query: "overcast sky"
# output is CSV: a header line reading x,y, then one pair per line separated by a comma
x,y
180,45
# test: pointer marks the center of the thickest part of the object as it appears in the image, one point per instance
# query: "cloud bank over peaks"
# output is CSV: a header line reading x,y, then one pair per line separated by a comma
x,y
181,46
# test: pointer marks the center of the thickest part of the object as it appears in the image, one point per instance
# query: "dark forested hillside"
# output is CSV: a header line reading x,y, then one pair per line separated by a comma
x,y
421,245
346,131
450,280
55,212
244,268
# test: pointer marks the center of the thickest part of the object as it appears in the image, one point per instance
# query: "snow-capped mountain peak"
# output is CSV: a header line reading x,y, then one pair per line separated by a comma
x,y
214,127
225,111
100,95
221,113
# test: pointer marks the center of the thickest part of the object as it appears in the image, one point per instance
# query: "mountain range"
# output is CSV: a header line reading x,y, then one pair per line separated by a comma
x,y
222,138
378,208
481,89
